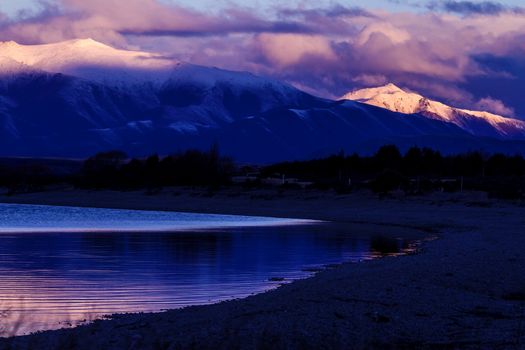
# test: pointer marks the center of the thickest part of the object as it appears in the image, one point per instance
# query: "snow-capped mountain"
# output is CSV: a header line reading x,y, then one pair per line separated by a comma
x,y
79,97
88,59
475,122
88,77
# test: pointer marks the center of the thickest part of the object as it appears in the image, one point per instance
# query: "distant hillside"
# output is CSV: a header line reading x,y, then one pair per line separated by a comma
x,y
76,98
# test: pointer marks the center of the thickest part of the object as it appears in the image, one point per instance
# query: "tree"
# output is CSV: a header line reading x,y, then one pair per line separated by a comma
x,y
388,157
413,161
102,169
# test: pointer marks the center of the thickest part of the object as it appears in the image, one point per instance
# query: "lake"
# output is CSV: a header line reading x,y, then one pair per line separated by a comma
x,y
60,266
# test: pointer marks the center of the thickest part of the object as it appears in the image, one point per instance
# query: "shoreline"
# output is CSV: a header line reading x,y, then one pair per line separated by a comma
x,y
271,203
464,290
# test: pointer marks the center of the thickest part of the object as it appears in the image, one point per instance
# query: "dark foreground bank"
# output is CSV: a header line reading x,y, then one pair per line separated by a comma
x,y
464,290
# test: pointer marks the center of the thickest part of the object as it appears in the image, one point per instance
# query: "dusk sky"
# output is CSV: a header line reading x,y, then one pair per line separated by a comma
x,y
467,53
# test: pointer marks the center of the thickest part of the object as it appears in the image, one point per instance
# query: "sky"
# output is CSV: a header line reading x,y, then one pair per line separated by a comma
x,y
13,6
470,54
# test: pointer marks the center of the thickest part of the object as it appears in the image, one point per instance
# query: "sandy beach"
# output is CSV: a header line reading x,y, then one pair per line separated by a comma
x,y
465,289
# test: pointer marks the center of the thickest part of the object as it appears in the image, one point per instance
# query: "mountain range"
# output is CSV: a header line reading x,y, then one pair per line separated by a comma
x,y
478,123
75,98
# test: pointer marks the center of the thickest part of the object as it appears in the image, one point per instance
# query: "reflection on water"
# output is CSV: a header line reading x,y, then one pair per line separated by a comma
x,y
51,279
41,218
385,246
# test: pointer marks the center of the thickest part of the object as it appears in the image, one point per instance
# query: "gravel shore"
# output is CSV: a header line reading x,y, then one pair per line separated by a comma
x,y
463,290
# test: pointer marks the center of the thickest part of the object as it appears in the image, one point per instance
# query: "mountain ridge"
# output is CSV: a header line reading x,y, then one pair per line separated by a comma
x,y
73,105
84,58
478,123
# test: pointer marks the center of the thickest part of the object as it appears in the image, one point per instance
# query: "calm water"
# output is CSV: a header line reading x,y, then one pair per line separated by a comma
x,y
61,265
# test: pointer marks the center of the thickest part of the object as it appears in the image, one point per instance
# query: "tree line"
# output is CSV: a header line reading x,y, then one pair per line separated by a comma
x,y
190,168
417,170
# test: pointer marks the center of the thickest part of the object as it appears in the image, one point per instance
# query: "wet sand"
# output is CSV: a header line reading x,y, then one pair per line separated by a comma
x,y
463,290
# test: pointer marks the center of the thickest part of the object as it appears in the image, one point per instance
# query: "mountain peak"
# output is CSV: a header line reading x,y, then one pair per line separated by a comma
x,y
386,91
79,43
390,87
11,43
87,43
393,98
87,58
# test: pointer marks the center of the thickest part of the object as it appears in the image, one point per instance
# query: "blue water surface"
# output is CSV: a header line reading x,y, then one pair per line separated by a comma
x,y
61,265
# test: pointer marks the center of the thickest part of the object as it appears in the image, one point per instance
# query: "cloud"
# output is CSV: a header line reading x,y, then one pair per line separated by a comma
x,y
112,20
325,50
396,35
490,104
334,11
474,8
370,80
285,50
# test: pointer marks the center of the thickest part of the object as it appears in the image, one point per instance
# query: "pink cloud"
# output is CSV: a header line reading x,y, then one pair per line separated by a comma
x,y
112,20
285,50
496,106
370,79
328,51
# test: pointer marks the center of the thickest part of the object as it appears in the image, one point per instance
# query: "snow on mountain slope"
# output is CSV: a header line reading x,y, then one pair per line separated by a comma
x,y
9,66
209,76
92,60
288,134
475,122
79,97
173,92
85,58
206,93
